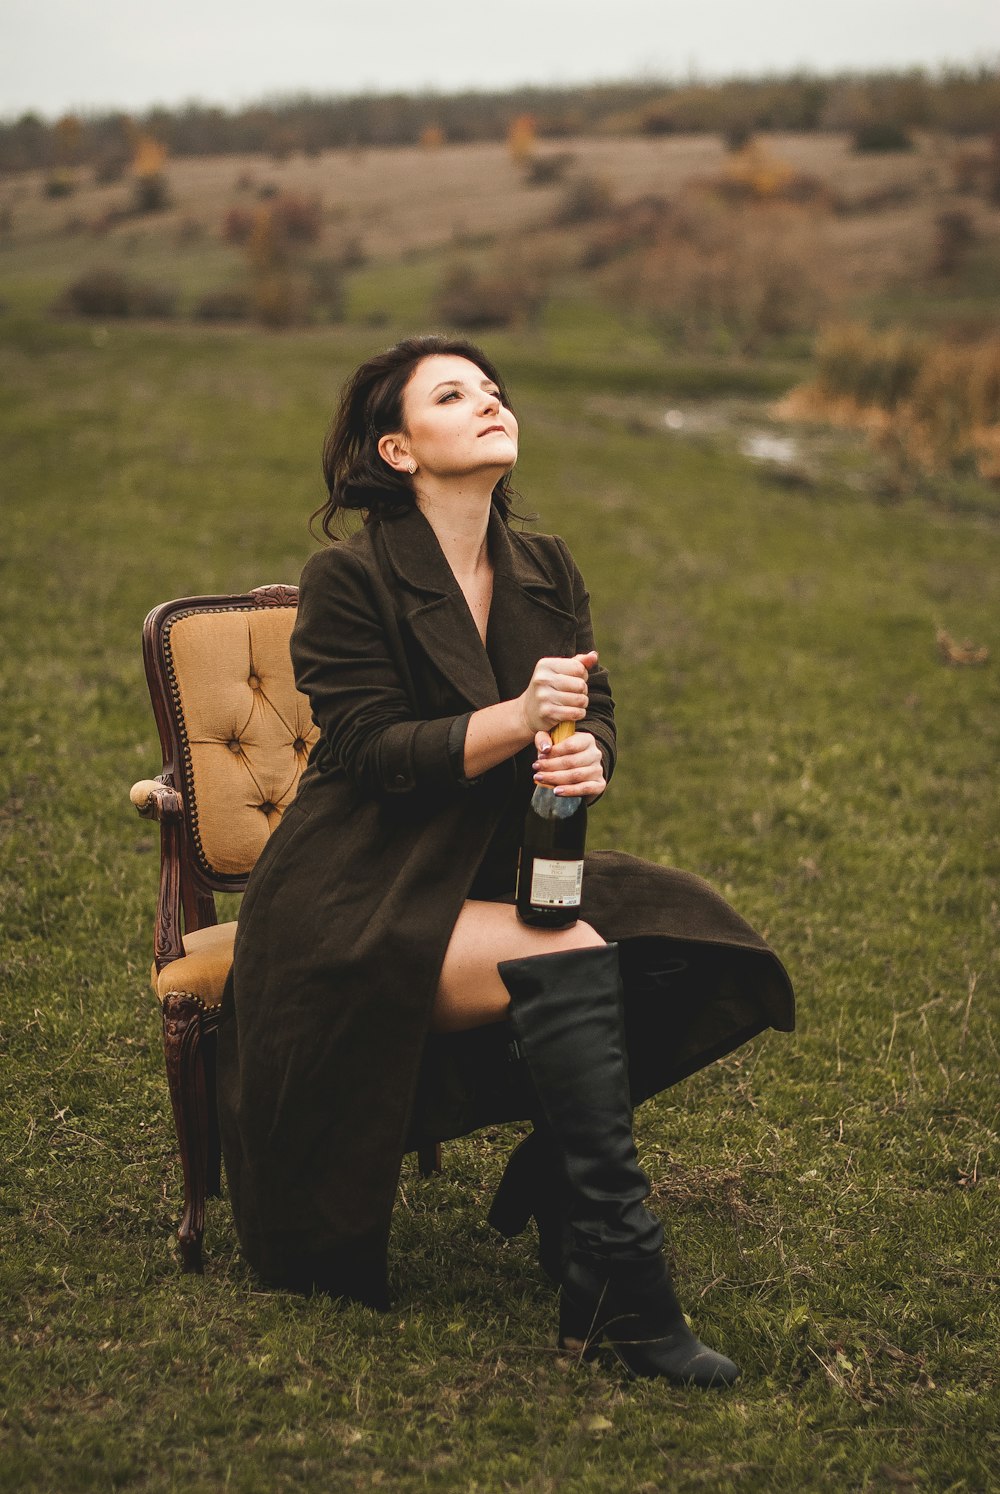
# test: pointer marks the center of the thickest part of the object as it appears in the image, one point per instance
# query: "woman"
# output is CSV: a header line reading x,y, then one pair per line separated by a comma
x,y
383,990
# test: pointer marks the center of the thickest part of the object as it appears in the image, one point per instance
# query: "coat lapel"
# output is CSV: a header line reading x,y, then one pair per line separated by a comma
x,y
531,615
435,609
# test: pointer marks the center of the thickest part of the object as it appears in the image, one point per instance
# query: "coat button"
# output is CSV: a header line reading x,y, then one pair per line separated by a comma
x,y
400,780
299,744
267,807
254,682
234,744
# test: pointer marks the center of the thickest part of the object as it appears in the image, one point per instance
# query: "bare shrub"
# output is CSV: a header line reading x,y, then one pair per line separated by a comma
x,y
150,194
953,415
755,174
287,215
238,225
993,171
634,225
189,231
873,368
543,171
930,407
110,292
881,135
110,168
267,246
737,136
282,291
299,218
475,301
61,183
351,253
954,233
729,276
585,199
227,304
970,170
278,299
284,142
659,118
328,287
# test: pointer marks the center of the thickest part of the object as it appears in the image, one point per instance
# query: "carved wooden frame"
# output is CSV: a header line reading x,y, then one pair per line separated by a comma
x,y
186,902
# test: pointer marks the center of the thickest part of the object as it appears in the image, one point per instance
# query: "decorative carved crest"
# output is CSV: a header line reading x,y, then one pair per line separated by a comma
x,y
276,594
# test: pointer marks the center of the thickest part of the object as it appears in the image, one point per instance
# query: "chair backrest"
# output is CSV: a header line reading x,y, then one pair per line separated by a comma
x,y
234,730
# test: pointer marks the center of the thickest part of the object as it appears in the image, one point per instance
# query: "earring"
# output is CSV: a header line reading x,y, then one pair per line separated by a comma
x,y
411,467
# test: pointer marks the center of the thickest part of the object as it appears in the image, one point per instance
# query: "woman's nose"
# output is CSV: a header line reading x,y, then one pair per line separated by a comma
x,y
491,404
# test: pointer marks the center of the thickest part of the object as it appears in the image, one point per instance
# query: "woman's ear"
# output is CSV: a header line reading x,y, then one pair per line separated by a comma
x,y
392,449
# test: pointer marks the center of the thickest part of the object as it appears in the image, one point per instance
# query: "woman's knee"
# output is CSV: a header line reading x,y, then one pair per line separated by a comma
x,y
579,935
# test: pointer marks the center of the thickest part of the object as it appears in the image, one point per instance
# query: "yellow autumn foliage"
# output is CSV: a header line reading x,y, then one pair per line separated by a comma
x,y
150,157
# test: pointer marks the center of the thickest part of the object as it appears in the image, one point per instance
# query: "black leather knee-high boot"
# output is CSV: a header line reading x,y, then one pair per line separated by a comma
x,y
567,1018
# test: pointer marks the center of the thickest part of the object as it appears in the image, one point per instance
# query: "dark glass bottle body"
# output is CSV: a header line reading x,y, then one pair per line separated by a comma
x,y
550,867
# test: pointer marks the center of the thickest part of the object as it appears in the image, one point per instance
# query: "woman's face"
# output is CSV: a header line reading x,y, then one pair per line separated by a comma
x,y
456,424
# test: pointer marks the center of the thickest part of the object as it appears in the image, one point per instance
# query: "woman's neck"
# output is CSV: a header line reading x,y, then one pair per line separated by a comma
x,y
460,522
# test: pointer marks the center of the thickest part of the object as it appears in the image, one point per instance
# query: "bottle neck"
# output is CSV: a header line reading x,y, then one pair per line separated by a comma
x,y
544,801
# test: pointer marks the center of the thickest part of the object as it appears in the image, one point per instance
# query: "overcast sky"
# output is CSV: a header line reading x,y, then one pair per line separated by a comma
x,y
97,54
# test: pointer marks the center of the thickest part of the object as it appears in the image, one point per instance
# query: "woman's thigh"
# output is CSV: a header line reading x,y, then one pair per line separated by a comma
x,y
470,991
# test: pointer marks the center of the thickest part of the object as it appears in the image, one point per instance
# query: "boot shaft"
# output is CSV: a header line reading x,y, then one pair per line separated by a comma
x,y
566,1013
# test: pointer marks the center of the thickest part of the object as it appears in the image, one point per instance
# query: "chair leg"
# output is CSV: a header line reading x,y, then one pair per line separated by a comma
x,y
429,1158
213,1173
182,1046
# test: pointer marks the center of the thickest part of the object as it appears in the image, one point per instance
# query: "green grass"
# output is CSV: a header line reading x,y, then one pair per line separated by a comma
x,y
787,730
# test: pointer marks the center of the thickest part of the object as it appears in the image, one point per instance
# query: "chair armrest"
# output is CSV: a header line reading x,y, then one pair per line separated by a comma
x,y
156,800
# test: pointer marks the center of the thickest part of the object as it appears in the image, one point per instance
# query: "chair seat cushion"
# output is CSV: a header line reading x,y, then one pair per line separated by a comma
x,y
203,969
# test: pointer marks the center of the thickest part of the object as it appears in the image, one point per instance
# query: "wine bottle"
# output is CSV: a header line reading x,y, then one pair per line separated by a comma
x,y
550,865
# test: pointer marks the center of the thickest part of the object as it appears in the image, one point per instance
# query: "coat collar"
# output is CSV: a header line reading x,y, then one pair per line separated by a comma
x,y
418,560
531,614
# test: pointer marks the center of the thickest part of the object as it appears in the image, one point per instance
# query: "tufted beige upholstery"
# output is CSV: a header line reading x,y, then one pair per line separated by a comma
x,y
201,971
248,730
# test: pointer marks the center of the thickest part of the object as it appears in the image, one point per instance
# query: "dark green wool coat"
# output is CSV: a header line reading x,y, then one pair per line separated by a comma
x,y
325,1071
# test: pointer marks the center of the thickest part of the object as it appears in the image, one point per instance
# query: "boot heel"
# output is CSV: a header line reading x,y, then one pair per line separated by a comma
x,y
511,1207
516,1197
581,1325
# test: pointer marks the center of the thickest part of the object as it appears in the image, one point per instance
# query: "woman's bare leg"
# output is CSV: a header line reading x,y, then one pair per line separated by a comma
x,y
470,992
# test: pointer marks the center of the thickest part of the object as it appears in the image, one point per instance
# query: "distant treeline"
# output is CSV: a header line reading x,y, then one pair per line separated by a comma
x,y
959,101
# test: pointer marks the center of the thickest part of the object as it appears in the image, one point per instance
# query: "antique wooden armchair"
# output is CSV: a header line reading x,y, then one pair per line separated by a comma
x,y
235,735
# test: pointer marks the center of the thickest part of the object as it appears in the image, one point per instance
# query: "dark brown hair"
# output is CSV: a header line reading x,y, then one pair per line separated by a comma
x,y
371,406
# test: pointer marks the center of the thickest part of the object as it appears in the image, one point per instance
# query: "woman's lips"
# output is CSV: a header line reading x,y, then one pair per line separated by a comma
x,y
490,429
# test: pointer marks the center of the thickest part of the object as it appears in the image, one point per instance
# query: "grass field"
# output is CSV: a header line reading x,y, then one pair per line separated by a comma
x,y
787,729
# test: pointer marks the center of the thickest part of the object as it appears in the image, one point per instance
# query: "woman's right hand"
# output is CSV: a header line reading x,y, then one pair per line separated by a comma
x,y
557,691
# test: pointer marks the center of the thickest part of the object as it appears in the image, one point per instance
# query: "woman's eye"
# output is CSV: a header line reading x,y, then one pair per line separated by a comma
x,y
452,394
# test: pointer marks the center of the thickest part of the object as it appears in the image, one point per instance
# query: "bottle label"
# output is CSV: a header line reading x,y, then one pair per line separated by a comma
x,y
556,884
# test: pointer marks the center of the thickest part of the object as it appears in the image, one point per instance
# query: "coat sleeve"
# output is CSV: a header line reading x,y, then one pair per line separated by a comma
x,y
600,717
343,661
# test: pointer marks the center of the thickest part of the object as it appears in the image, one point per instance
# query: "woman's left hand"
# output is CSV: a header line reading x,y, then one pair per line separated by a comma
x,y
573,767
